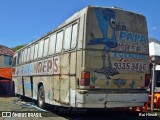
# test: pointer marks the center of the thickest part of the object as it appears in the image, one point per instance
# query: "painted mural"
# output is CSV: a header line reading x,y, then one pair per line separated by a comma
x,y
123,51
106,19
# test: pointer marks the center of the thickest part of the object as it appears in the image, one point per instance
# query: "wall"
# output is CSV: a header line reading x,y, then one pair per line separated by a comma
x,y
5,61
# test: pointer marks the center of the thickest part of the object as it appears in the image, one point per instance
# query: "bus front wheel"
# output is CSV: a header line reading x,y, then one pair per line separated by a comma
x,y
41,97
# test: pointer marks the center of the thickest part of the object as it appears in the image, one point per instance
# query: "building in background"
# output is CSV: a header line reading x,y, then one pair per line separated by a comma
x,y
154,50
5,56
5,69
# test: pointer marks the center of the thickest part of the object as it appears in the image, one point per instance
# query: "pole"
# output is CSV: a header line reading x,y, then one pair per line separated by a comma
x,y
152,90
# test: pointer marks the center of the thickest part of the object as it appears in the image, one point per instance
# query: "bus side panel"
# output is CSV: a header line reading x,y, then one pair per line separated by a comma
x,y
35,87
47,82
80,67
18,85
64,78
27,87
56,88
64,89
73,80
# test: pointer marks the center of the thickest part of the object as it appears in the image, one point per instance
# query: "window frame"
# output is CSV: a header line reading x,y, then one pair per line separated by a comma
x,y
39,43
28,54
48,38
14,63
32,55
19,55
62,30
25,54
76,36
49,52
34,58
22,58
70,38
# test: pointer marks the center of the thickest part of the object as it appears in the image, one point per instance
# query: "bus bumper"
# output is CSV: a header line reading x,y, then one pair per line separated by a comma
x,y
93,100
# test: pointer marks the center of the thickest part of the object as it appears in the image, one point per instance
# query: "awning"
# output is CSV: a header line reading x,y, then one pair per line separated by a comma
x,y
6,73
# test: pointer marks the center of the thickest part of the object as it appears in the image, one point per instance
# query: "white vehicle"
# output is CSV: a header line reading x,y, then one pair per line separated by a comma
x,y
97,58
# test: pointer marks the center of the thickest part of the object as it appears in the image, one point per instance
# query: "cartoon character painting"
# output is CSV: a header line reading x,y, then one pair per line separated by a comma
x,y
106,20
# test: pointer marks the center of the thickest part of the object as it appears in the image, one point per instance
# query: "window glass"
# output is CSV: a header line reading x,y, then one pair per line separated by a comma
x,y
22,56
67,38
14,62
46,41
40,50
74,35
25,55
59,42
35,51
19,57
32,52
28,54
52,44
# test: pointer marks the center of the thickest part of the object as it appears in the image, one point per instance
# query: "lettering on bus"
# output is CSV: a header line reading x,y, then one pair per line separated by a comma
x,y
49,66
125,47
129,55
132,37
131,66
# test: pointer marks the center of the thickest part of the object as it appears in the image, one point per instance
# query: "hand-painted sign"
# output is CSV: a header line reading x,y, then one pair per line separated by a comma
x,y
106,20
131,37
134,66
48,66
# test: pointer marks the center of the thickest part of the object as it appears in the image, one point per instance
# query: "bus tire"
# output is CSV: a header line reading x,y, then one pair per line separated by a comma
x,y
41,97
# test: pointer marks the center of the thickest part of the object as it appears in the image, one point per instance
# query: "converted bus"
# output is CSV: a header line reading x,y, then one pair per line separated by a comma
x,y
97,58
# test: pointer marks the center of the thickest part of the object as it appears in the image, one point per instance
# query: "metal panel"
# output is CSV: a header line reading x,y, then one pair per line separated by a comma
x,y
116,49
64,66
56,88
73,63
64,89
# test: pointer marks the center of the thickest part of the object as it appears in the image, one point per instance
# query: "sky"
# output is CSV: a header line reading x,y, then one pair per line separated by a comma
x,y
23,21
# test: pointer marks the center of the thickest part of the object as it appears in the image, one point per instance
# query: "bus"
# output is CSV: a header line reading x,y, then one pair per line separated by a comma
x,y
97,58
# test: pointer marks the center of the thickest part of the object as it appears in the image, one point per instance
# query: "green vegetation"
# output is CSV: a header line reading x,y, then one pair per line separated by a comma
x,y
18,47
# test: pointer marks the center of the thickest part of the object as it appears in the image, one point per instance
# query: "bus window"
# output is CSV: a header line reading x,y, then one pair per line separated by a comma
x,y
59,42
52,44
22,59
19,57
35,51
14,61
32,52
74,36
45,52
28,54
25,55
67,38
40,50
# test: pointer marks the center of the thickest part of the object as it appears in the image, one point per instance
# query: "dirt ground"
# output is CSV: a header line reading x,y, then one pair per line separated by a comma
x,y
16,104
11,103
